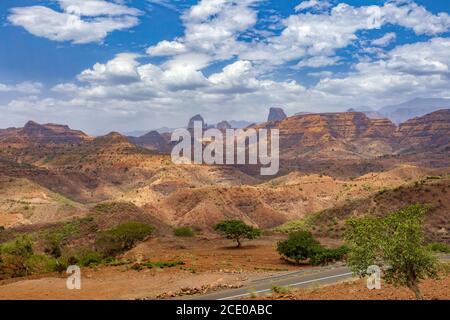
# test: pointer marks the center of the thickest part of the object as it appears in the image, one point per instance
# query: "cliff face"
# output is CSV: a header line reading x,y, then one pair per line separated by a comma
x,y
276,114
429,132
350,134
44,134
303,132
152,141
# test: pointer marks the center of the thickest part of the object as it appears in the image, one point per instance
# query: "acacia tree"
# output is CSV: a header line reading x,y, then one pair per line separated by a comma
x,y
395,243
237,230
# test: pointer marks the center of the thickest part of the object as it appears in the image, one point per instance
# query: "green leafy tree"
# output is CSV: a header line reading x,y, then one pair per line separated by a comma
x,y
299,246
237,230
122,237
396,244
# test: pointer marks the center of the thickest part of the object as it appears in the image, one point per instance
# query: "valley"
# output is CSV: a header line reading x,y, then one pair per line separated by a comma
x,y
56,180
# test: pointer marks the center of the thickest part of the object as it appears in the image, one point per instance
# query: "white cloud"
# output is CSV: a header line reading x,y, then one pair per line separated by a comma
x,y
318,61
80,22
408,71
384,40
23,87
256,74
211,27
314,4
95,8
167,48
121,69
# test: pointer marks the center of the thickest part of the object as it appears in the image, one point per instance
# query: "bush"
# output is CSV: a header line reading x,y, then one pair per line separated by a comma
x,y
237,230
87,257
301,246
439,247
280,289
325,255
184,232
122,237
17,259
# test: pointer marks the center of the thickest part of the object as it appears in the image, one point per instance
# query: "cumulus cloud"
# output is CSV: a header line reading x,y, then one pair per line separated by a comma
x,y
314,4
23,87
257,73
212,28
384,40
82,21
408,71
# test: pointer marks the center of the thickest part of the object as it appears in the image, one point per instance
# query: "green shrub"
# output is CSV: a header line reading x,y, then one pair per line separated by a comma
x,y
122,237
159,264
301,246
325,255
439,247
87,257
17,259
184,232
280,289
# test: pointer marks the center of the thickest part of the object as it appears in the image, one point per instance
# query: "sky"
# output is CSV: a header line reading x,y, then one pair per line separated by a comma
x,y
123,65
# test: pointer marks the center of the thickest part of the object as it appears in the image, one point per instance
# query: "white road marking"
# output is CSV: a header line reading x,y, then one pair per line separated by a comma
x,y
289,285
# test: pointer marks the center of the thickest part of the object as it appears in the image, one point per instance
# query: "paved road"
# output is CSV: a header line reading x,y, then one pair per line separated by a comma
x,y
299,279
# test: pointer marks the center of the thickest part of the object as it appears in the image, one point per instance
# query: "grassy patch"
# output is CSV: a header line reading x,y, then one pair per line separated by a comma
x,y
439,247
158,264
184,232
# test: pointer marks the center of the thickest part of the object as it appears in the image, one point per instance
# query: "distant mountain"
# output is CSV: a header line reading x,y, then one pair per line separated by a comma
x,y
239,124
369,112
414,108
43,133
152,140
348,136
138,133
223,125
276,114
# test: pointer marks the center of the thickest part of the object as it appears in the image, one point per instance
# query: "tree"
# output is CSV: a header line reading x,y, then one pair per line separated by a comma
x,y
301,245
395,243
237,230
122,237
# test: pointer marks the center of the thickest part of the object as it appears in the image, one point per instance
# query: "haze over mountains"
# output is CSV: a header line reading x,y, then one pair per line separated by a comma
x,y
396,113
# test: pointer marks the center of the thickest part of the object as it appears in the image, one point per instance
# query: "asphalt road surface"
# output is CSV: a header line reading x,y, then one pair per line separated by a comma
x,y
306,278
297,279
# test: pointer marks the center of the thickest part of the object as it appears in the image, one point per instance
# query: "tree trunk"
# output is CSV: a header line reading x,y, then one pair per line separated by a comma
x,y
238,243
415,288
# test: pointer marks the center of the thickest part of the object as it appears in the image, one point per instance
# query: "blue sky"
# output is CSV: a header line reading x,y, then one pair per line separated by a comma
x,y
125,65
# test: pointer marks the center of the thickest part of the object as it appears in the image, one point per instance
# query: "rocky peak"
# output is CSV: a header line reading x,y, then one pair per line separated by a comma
x,y
196,118
428,131
223,125
52,133
111,138
276,114
152,140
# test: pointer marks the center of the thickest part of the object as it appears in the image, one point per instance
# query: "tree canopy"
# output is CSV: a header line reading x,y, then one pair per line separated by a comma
x,y
396,244
237,230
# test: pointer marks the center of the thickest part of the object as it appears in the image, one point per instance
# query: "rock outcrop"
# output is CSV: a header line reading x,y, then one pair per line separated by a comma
x,y
196,118
44,134
223,125
276,114
429,132
152,140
